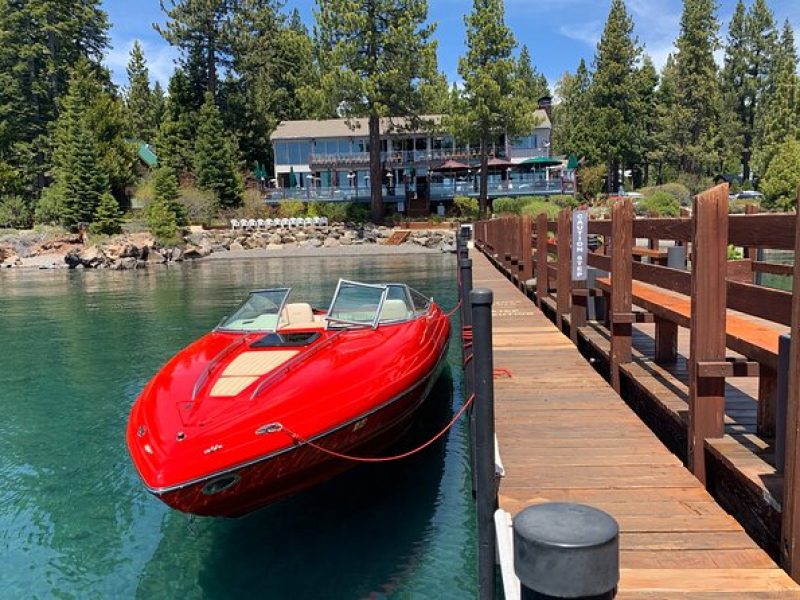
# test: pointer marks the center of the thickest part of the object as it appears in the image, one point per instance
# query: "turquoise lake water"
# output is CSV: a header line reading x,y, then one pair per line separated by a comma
x,y
75,522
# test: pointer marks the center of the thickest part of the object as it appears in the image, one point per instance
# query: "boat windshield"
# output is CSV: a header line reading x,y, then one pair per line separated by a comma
x,y
366,305
260,312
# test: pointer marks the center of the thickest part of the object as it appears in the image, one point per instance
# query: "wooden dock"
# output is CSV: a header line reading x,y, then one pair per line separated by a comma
x,y
565,435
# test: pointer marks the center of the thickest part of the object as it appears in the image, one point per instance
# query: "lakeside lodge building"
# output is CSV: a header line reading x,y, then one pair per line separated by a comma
x,y
329,161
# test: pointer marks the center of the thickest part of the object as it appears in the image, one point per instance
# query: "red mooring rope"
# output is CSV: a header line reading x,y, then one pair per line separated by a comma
x,y
300,440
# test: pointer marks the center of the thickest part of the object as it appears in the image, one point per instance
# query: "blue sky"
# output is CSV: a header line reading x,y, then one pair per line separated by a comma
x,y
558,32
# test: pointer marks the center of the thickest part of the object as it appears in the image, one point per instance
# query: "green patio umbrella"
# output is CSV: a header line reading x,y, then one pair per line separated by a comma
x,y
573,163
542,161
292,178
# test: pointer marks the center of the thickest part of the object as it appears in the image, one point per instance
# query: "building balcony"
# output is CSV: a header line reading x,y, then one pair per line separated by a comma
x,y
429,158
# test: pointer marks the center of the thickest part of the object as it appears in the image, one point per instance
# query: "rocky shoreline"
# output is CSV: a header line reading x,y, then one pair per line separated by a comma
x,y
141,250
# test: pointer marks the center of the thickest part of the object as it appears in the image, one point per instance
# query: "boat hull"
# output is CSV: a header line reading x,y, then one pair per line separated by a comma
x,y
270,478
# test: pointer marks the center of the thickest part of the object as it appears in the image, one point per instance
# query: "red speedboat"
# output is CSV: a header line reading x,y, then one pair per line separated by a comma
x,y
224,428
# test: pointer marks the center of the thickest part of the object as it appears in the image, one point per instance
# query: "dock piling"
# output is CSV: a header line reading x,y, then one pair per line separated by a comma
x,y
481,301
565,550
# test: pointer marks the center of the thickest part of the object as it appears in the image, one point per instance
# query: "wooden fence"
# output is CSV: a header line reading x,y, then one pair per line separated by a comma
x,y
681,277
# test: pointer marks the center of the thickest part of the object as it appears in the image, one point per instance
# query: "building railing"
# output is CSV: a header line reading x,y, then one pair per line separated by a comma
x,y
435,192
469,155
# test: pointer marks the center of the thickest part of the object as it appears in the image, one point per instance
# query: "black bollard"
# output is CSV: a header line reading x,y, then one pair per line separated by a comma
x,y
566,550
483,372
784,347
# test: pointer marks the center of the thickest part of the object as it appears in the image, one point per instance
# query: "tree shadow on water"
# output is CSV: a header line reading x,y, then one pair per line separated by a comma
x,y
356,536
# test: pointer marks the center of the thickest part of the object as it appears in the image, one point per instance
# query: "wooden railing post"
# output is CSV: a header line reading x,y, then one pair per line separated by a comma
x,y
621,308
707,337
790,530
542,276
564,291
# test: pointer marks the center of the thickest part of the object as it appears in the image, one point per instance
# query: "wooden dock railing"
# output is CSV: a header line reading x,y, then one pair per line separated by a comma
x,y
714,297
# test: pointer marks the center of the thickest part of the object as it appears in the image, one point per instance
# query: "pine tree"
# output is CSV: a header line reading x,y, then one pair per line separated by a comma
x,y
491,105
40,42
645,83
201,30
778,118
166,191
574,124
698,105
374,54
214,161
77,159
161,221
159,106
663,152
533,85
139,98
748,59
107,219
781,181
615,105
174,142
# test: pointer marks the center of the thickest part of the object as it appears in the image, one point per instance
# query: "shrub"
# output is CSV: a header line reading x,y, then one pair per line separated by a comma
x,y
161,221
201,207
335,212
254,206
291,208
782,178
661,204
534,207
506,206
15,213
107,219
165,189
144,192
359,213
467,207
51,205
679,191
564,201
592,181
695,183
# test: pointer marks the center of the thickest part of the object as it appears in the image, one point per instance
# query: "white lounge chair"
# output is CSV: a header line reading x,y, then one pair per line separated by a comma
x,y
260,223
268,223
252,224
308,222
234,224
323,221
315,221
285,222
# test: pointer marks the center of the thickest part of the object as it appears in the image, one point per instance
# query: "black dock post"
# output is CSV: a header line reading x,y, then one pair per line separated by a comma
x,y
483,372
566,550
784,347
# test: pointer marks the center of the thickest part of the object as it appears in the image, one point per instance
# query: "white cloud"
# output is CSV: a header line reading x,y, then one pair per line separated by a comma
x,y
160,60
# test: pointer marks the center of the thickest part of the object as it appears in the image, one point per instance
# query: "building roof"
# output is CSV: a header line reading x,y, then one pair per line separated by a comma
x,y
343,128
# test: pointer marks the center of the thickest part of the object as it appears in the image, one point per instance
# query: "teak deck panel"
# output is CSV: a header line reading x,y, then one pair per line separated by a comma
x,y
565,435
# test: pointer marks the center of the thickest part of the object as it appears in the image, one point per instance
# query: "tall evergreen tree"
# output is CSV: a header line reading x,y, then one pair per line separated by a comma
x,y
615,106
159,106
778,118
201,30
748,59
377,56
695,121
492,104
138,97
645,84
573,120
533,84
663,153
214,160
40,42
175,139
77,159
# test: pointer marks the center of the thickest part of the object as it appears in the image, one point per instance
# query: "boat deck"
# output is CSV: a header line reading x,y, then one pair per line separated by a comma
x,y
565,435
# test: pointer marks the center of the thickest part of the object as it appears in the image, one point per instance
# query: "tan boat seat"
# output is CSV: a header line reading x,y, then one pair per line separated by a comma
x,y
299,312
394,310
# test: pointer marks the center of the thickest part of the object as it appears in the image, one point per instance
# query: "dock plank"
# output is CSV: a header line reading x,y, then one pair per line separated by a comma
x,y
564,435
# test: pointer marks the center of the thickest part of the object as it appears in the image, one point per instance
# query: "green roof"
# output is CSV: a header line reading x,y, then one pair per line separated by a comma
x,y
147,155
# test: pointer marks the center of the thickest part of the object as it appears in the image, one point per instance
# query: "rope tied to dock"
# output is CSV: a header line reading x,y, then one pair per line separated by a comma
x,y
300,440
454,311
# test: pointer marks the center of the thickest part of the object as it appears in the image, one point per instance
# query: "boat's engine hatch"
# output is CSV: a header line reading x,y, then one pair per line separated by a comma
x,y
287,340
